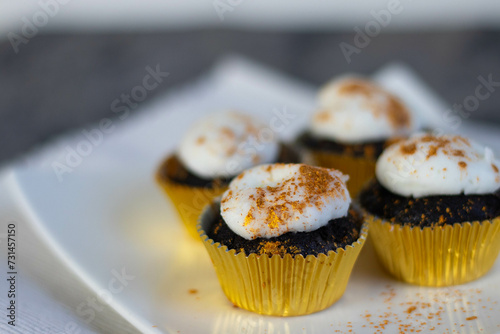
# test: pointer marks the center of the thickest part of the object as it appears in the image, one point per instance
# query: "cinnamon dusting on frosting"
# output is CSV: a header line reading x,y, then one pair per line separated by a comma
x,y
432,151
393,140
437,165
322,116
292,204
439,143
396,112
408,149
218,141
357,86
228,132
354,110
315,181
457,139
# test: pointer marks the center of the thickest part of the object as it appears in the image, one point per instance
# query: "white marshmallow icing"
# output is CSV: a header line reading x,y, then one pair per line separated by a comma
x,y
225,143
270,200
354,110
426,165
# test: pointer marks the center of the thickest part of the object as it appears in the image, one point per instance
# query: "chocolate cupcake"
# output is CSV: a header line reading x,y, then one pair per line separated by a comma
x,y
283,239
355,120
211,153
434,210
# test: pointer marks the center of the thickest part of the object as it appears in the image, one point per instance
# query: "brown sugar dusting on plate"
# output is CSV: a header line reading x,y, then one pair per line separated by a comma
x,y
443,311
411,309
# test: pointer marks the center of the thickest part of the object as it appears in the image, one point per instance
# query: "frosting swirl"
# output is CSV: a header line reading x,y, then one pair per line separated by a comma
x,y
427,165
355,110
225,143
270,200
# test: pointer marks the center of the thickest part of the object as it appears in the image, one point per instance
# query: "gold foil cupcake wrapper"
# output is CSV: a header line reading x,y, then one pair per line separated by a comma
x,y
359,169
438,256
189,202
282,286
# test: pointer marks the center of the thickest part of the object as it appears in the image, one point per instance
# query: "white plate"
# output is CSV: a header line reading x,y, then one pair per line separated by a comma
x,y
108,215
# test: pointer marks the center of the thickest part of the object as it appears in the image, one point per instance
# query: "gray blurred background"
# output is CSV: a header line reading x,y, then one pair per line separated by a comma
x,y
63,62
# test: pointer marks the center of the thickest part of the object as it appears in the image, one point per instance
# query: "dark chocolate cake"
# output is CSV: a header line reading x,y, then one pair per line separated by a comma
x,y
173,170
371,150
430,210
338,233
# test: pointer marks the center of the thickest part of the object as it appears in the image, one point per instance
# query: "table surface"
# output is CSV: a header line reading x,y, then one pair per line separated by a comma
x,y
60,82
